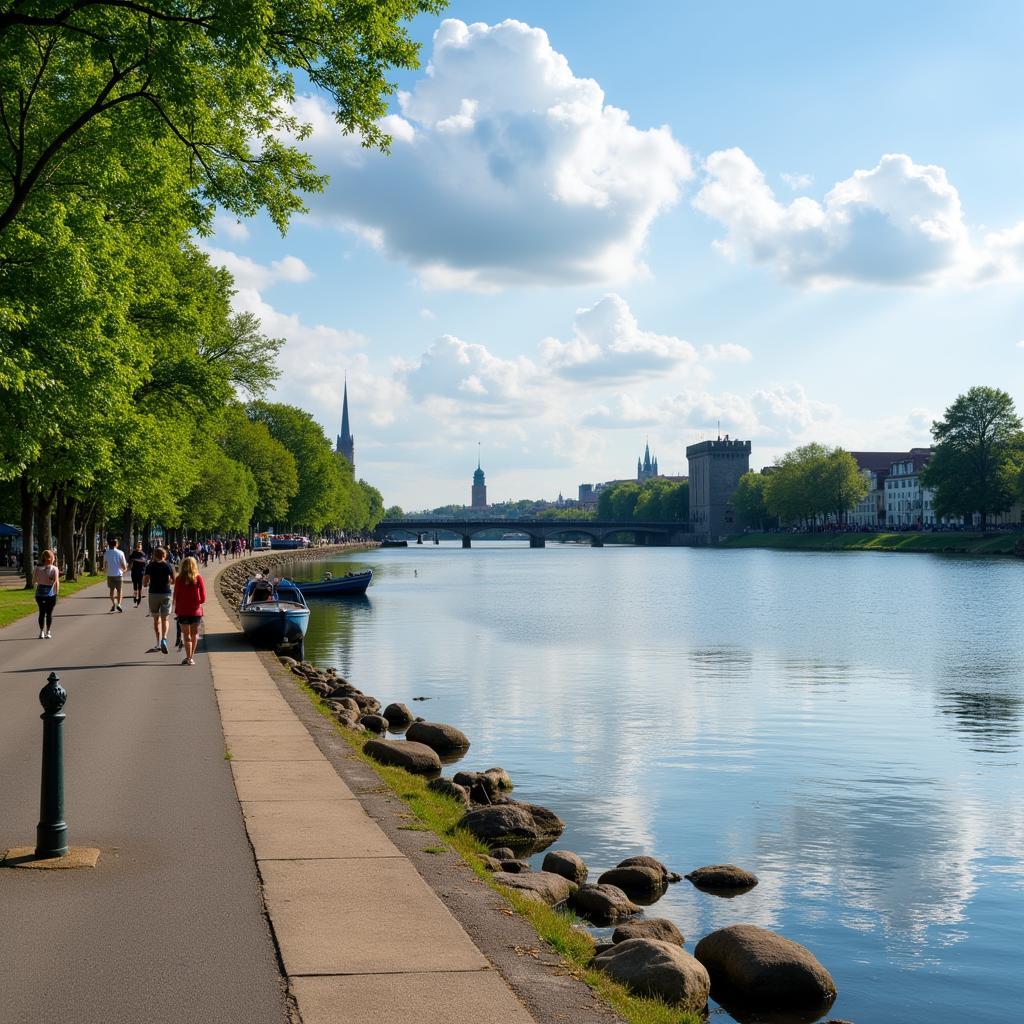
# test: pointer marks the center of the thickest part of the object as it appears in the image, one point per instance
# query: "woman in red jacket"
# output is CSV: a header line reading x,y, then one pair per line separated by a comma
x,y
189,598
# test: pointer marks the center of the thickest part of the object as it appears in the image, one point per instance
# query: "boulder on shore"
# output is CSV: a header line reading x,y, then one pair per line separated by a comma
x,y
567,864
722,877
650,862
661,970
637,879
445,739
413,757
374,723
504,853
649,928
502,779
398,715
602,904
449,788
752,966
513,824
541,885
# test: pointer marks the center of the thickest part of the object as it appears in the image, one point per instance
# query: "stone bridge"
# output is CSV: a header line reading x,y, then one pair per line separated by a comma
x,y
539,531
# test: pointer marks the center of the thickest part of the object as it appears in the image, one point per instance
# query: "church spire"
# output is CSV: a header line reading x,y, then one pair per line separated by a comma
x,y
345,442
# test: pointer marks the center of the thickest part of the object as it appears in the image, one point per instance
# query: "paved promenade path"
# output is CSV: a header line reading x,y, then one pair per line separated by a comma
x,y
170,927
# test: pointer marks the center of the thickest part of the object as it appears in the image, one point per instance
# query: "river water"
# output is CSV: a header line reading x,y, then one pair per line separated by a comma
x,y
848,726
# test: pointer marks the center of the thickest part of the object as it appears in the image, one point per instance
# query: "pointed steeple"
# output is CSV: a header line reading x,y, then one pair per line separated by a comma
x,y
647,457
345,442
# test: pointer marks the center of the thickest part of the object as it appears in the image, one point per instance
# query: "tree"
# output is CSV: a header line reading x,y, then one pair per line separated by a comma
x,y
841,483
749,501
80,83
979,453
394,512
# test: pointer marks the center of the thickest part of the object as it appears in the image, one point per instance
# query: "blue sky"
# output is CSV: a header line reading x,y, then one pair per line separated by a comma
x,y
803,221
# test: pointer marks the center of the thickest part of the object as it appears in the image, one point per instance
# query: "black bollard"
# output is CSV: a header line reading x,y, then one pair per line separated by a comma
x,y
52,831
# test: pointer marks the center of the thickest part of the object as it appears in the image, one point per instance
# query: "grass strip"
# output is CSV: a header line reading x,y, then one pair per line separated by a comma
x,y
17,603
934,543
559,929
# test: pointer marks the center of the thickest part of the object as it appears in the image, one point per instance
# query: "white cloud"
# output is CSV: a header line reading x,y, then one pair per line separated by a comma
x,y
225,224
249,274
505,169
727,353
798,182
427,314
607,342
900,223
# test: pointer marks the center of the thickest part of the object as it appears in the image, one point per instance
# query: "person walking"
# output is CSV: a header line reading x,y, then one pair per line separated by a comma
x,y
189,598
137,563
114,560
159,578
46,577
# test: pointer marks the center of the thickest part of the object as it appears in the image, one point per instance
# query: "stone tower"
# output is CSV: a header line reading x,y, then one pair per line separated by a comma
x,y
715,471
479,487
647,468
346,443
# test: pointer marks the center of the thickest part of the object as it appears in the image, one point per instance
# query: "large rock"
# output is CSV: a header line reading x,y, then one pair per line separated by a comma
x,y
638,880
650,862
602,904
649,928
449,788
661,970
567,864
413,757
445,739
502,779
751,966
374,723
722,877
545,886
513,824
398,715
483,788
347,702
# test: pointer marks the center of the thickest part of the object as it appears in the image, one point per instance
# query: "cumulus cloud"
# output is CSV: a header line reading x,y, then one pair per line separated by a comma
x,y
798,182
249,274
225,224
607,342
900,223
505,169
727,353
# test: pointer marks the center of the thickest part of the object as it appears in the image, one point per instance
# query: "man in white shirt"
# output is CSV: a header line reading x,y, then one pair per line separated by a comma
x,y
116,564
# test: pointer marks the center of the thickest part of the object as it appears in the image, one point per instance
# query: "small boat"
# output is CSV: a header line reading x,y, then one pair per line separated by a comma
x,y
273,612
329,586
391,542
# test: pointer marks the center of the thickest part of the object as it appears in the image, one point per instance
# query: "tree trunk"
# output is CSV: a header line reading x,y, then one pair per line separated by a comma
x,y
67,511
90,544
127,540
44,509
27,524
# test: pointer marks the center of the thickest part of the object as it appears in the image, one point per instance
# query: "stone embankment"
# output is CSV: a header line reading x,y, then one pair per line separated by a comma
x,y
743,967
233,576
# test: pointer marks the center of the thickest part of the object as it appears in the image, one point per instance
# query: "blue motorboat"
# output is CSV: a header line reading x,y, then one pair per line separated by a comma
x,y
273,612
332,586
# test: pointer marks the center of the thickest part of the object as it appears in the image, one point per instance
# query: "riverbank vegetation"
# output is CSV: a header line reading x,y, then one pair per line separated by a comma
x,y
132,394
440,815
656,500
18,603
943,542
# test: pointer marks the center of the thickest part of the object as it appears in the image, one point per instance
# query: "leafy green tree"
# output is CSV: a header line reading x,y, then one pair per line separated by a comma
x,y
394,512
223,497
979,453
83,82
749,501
794,491
841,482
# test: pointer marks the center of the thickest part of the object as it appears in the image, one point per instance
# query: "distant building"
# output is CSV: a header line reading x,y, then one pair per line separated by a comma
x,y
907,501
345,442
479,488
869,512
648,468
715,471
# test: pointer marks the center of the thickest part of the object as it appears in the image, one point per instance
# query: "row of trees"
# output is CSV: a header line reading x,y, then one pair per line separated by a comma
x,y
656,500
976,471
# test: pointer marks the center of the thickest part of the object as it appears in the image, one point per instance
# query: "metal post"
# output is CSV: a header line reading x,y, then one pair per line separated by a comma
x,y
52,831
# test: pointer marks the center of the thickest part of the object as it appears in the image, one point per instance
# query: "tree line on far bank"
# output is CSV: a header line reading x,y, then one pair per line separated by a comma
x,y
976,470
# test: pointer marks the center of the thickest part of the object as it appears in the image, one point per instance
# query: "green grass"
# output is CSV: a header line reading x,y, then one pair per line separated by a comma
x,y
440,814
935,543
16,604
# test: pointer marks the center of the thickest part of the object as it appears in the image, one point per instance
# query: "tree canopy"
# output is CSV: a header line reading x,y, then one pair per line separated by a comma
x,y
656,500
812,484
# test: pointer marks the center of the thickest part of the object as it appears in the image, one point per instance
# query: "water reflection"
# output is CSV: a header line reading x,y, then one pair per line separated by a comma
x,y
792,713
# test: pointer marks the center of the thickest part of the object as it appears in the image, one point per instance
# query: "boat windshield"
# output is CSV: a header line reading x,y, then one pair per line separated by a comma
x,y
289,594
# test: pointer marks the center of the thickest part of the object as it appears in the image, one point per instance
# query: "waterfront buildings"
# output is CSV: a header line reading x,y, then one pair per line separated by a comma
x,y
715,471
345,443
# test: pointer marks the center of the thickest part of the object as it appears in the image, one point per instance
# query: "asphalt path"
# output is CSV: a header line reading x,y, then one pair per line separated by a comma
x,y
169,927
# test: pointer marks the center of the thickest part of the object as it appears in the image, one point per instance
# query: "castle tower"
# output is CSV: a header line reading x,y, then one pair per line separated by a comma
x,y
715,471
345,442
479,486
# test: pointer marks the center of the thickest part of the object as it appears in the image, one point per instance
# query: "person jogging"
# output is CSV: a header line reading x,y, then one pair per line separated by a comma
x,y
159,578
137,563
46,577
189,598
114,560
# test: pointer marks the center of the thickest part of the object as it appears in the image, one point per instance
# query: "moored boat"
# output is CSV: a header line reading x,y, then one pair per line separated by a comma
x,y
330,586
273,612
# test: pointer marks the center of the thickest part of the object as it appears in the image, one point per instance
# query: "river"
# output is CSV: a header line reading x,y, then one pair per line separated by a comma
x,y
848,726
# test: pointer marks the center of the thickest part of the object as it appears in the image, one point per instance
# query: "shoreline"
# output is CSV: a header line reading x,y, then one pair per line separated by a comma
x,y
973,544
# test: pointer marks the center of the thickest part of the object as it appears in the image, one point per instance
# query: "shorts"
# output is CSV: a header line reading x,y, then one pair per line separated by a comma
x,y
190,620
159,604
114,584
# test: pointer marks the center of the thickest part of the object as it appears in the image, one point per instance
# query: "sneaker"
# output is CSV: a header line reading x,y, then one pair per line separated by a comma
x,y
163,646
49,635
42,633
184,661
120,609
155,649
112,610
191,661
